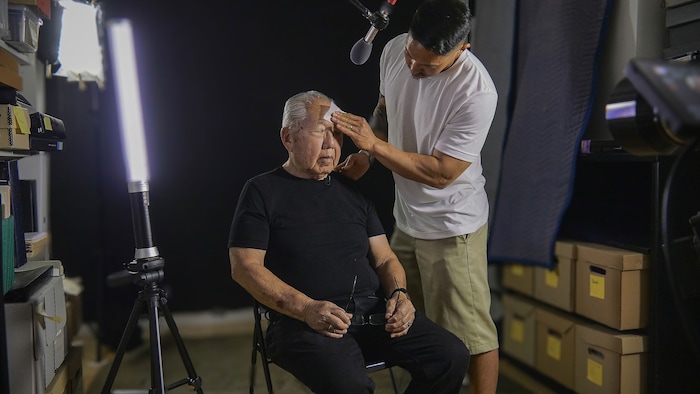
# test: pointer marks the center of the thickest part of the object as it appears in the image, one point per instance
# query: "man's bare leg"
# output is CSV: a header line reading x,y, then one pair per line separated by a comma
x,y
483,373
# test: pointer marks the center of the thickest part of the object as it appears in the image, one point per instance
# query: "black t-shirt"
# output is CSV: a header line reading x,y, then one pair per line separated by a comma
x,y
315,233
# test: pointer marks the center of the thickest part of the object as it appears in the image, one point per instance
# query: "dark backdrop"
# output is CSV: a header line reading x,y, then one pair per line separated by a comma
x,y
214,77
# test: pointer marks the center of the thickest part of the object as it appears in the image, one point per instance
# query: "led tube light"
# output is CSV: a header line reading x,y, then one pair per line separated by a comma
x,y
123,60
126,85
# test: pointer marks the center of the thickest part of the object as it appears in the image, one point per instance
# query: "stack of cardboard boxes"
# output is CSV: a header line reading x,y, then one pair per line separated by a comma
x,y
580,323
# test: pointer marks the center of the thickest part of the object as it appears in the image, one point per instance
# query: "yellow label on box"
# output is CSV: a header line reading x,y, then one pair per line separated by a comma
x,y
47,123
551,277
22,126
597,284
517,331
554,347
517,269
594,372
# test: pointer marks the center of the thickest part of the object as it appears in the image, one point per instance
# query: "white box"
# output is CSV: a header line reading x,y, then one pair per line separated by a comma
x,y
35,337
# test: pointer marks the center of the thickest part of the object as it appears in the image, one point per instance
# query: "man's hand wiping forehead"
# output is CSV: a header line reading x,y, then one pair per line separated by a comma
x,y
333,108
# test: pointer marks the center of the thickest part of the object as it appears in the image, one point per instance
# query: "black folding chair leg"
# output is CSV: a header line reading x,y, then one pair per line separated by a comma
x,y
393,381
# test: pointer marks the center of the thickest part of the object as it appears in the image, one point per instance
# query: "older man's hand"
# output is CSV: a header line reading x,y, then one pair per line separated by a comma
x,y
327,318
354,166
400,314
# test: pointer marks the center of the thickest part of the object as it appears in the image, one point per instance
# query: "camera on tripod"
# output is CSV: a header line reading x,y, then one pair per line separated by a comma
x,y
655,109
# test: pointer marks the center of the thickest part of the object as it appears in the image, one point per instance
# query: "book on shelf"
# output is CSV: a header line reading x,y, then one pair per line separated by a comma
x,y
35,242
9,175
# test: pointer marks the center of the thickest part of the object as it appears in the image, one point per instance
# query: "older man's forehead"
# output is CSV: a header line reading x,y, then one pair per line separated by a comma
x,y
318,109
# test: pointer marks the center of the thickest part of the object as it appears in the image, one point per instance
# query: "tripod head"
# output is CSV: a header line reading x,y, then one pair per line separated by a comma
x,y
140,272
147,266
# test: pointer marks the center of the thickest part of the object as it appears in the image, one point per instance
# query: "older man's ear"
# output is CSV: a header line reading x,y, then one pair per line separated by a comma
x,y
285,136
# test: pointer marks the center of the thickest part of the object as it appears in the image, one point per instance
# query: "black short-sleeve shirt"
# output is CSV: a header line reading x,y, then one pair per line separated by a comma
x,y
315,233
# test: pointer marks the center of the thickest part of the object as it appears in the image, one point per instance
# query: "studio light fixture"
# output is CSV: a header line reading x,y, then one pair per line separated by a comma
x,y
147,267
79,47
126,86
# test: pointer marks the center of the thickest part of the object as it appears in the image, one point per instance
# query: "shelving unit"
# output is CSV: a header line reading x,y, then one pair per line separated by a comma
x,y
4,360
617,202
25,59
33,78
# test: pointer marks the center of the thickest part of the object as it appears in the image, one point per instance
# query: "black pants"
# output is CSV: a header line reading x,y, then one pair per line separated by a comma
x,y
436,359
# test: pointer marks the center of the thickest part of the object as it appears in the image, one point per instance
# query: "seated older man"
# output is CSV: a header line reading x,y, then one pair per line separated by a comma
x,y
309,246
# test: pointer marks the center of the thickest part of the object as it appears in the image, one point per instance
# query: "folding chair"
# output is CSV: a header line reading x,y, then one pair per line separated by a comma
x,y
259,347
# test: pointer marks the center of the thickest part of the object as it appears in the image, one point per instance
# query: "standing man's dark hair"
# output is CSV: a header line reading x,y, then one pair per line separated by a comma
x,y
441,25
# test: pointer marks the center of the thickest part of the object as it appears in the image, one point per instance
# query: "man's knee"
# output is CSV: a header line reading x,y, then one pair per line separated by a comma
x,y
347,382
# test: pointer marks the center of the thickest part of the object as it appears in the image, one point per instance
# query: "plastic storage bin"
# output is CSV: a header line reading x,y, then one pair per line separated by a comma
x,y
24,28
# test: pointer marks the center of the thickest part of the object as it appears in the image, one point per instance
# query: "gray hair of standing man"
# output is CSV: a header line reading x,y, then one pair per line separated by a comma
x,y
295,110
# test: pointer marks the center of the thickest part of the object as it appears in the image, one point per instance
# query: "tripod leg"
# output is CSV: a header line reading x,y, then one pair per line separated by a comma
x,y
121,349
193,380
157,385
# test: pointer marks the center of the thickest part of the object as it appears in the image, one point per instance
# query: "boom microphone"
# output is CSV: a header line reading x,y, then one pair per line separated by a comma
x,y
379,20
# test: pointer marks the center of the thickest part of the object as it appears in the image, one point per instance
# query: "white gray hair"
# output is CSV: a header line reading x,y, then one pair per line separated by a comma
x,y
295,110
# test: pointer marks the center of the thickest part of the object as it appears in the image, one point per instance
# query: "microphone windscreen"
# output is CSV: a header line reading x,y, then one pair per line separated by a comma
x,y
360,52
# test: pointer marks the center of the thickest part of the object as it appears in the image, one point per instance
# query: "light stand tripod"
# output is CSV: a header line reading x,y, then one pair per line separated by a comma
x,y
147,270
147,267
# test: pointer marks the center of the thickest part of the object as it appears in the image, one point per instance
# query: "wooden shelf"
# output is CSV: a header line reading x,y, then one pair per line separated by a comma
x,y
9,154
23,58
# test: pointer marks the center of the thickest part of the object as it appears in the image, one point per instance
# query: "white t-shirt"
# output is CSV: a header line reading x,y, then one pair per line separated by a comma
x,y
451,112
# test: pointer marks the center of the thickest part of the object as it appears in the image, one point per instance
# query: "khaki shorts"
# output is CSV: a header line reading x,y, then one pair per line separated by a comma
x,y
448,280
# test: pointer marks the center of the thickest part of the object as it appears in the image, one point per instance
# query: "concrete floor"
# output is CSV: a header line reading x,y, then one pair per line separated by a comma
x,y
211,325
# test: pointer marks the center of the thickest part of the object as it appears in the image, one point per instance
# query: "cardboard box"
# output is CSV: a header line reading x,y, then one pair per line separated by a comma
x,y
69,376
35,337
519,277
10,78
610,362
10,139
612,286
74,316
14,127
556,286
519,328
555,345
8,60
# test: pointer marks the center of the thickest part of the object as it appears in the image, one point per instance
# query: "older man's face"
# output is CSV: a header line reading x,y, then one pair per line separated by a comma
x,y
315,148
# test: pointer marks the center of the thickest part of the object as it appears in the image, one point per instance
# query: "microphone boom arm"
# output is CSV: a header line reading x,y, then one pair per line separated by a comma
x,y
378,19
365,11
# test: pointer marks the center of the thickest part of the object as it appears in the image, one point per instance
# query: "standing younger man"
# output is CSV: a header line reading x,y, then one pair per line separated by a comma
x,y
435,108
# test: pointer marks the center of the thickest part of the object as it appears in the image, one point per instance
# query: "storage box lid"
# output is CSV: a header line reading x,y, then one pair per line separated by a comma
x,y
612,340
565,249
518,306
620,259
558,322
